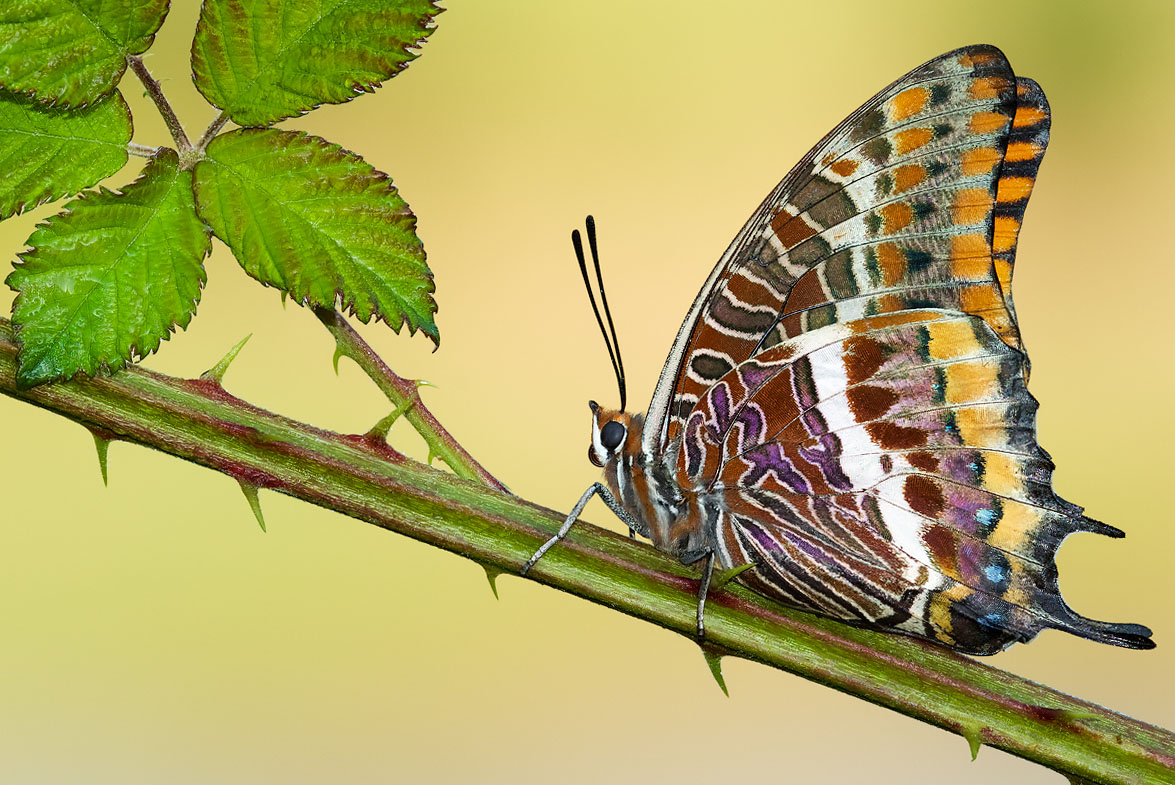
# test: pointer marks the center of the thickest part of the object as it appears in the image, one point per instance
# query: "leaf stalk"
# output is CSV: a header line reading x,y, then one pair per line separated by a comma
x,y
405,397
141,150
210,132
151,84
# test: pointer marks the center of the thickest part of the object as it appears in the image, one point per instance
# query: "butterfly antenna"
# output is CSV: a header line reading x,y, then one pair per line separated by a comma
x,y
609,341
621,380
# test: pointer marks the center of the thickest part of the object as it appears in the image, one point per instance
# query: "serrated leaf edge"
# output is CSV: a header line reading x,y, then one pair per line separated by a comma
x,y
56,101
54,196
412,48
136,354
341,302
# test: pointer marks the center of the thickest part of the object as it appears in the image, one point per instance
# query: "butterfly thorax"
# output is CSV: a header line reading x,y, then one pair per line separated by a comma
x,y
644,484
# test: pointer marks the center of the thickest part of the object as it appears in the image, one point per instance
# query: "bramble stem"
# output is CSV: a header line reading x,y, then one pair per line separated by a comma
x,y
211,131
198,421
405,397
141,150
156,93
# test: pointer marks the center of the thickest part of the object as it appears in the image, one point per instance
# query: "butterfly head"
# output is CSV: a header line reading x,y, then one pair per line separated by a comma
x,y
613,433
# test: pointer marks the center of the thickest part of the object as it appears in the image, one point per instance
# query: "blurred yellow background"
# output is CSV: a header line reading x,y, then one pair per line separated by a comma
x,y
150,632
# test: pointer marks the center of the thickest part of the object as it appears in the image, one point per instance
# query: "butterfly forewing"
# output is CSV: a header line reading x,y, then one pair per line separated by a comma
x,y
893,210
1025,149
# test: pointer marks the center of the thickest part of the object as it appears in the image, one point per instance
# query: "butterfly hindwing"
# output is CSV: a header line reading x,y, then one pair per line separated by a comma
x,y
895,209
885,471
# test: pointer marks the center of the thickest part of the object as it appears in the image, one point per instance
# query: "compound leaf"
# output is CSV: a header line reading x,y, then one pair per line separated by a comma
x,y
109,278
72,52
318,222
48,152
265,60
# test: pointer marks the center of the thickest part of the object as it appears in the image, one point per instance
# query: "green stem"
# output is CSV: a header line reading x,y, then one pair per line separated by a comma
x,y
211,131
362,477
405,396
141,150
156,92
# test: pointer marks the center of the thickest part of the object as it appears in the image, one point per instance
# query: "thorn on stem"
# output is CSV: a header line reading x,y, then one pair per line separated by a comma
x,y
974,736
250,492
102,444
339,354
1059,715
722,577
1077,716
216,372
379,431
714,662
492,574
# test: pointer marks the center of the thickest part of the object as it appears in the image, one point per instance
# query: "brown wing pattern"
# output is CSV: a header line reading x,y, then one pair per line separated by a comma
x,y
897,208
885,471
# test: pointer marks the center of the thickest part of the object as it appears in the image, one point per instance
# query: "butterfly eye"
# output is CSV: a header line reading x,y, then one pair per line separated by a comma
x,y
611,435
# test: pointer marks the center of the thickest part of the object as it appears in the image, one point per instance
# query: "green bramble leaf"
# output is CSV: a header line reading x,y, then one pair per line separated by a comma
x,y
262,61
109,278
72,52
317,221
48,152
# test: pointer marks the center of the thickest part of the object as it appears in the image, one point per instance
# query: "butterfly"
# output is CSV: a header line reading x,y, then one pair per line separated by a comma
x,y
844,414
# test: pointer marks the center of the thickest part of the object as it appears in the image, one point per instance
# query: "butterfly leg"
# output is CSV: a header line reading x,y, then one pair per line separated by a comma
x,y
566,527
704,587
572,516
703,591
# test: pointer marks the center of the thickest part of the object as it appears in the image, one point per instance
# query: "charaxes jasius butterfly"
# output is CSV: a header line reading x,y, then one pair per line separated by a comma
x,y
844,410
